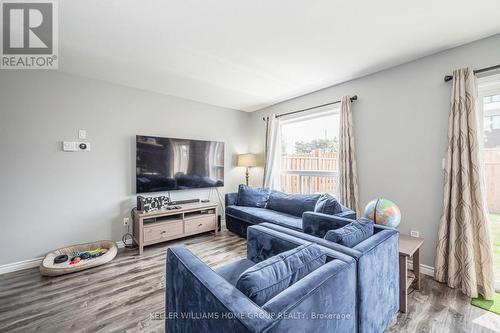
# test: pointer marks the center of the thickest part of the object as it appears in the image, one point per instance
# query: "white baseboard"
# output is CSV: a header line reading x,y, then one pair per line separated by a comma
x,y
30,263
424,269
20,265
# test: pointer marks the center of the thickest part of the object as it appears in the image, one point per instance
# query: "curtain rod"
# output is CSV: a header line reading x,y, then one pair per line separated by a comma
x,y
477,71
353,98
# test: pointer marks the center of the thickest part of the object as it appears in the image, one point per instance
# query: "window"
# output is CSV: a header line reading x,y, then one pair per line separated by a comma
x,y
489,92
491,99
491,123
495,122
309,150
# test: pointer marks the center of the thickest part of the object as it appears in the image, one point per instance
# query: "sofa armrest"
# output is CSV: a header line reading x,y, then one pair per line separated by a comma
x,y
230,199
263,243
318,224
194,288
266,240
343,253
347,214
376,240
378,228
378,278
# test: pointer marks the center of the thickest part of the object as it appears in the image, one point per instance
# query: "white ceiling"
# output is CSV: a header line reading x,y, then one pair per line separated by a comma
x,y
249,54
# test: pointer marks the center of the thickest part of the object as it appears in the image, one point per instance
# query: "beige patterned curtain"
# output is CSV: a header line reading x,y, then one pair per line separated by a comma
x,y
464,254
273,153
348,177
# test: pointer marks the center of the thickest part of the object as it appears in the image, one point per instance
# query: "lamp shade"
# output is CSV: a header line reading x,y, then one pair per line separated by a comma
x,y
247,160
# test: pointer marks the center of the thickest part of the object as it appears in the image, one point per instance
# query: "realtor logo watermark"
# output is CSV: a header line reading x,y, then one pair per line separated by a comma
x,y
29,35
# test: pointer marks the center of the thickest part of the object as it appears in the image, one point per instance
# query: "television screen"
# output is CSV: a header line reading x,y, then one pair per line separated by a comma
x,y
166,164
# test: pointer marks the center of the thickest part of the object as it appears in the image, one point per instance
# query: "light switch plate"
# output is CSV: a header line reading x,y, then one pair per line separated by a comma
x,y
414,233
68,146
82,134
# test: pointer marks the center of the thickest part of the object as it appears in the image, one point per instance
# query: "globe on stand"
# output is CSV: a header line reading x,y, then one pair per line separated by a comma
x,y
383,212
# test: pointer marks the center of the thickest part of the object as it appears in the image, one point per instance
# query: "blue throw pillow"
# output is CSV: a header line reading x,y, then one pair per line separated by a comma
x,y
252,197
293,204
270,277
351,234
327,204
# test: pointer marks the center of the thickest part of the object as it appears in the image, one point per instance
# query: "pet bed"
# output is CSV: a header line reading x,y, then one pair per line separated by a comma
x,y
49,268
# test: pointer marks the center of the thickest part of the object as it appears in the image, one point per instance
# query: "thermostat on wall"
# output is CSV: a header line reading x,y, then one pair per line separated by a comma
x,y
83,146
75,146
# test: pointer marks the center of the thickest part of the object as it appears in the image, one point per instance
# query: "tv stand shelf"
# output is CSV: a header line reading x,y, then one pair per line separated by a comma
x,y
164,225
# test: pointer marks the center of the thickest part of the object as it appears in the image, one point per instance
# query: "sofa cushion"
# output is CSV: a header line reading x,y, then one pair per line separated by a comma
x,y
327,204
293,204
259,215
351,234
252,197
232,271
270,277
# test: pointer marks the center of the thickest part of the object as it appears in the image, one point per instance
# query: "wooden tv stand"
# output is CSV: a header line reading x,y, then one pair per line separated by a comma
x,y
163,225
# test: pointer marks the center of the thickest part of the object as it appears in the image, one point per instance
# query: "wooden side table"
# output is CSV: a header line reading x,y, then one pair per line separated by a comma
x,y
409,247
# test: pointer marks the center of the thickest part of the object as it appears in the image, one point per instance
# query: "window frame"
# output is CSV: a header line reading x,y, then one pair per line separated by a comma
x,y
487,86
308,115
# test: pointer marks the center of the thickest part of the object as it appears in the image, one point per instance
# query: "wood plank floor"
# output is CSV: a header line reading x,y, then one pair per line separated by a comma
x,y
127,295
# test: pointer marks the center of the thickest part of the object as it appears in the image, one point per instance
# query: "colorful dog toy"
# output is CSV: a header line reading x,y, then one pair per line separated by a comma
x,y
74,261
78,255
60,259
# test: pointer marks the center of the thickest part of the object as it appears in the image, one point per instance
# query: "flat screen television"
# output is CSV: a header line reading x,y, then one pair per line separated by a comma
x,y
168,164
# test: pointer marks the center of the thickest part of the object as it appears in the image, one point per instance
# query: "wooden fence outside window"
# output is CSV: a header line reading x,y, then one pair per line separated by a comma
x,y
491,159
309,173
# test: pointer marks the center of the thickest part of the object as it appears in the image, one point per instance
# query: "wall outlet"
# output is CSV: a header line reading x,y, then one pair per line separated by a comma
x,y
75,146
126,221
68,146
414,233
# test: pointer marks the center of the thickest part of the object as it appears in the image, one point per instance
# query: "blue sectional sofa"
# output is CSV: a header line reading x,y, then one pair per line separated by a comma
x,y
251,206
199,299
377,259
376,255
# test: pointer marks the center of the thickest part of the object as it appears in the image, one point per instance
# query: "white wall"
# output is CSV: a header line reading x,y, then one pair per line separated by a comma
x,y
400,125
49,198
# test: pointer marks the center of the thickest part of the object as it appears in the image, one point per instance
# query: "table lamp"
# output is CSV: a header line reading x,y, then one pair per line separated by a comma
x,y
247,161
